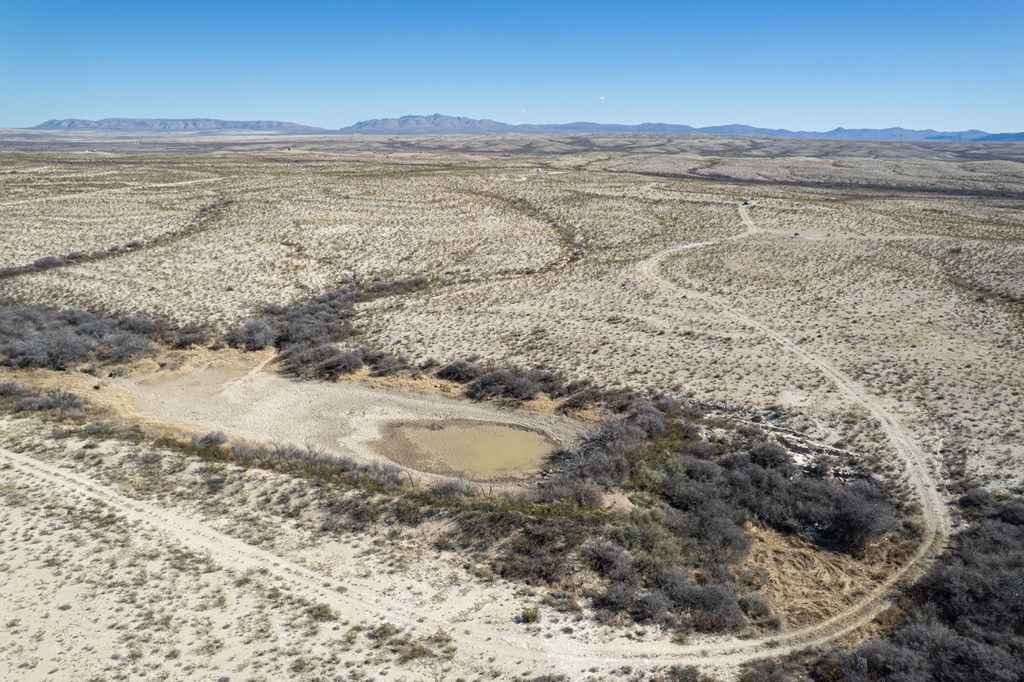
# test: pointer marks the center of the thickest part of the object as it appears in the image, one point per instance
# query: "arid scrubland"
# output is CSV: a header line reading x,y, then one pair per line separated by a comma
x,y
863,300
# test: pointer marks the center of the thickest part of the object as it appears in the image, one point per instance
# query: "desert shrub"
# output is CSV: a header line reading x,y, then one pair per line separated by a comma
x,y
306,462
536,565
672,581
719,495
388,474
583,492
652,605
769,455
580,400
74,316
977,588
618,400
190,335
686,674
134,324
339,365
47,262
602,459
9,389
977,500
611,560
58,349
304,331
124,346
605,466
712,608
385,364
768,671
502,383
322,613
448,488
459,371
63,403
966,620
307,360
618,597
529,615
547,381
1011,512
62,339
694,498
212,439
756,606
703,449
255,333
922,651
844,518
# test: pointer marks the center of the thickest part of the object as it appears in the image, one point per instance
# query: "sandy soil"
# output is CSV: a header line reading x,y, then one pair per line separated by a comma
x,y
204,571
205,588
870,297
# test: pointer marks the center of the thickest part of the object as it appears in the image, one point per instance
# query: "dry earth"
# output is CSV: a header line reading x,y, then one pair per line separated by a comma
x,y
199,572
872,295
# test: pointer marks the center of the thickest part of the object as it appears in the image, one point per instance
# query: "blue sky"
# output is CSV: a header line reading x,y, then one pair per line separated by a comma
x,y
798,65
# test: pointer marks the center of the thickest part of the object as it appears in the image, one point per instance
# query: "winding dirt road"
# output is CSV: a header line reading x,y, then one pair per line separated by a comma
x,y
935,514
560,652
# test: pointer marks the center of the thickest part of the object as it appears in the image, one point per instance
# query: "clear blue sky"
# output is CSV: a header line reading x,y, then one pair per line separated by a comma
x,y
799,65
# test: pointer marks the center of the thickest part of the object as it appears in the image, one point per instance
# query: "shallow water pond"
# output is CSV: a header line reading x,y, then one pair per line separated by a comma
x,y
477,449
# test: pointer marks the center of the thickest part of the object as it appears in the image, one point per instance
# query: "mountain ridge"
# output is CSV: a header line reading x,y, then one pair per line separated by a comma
x,y
440,124
172,125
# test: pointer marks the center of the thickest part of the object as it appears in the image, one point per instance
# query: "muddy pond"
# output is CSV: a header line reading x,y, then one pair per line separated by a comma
x,y
462,447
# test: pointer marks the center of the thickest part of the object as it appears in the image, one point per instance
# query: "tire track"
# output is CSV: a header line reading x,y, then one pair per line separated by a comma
x,y
937,524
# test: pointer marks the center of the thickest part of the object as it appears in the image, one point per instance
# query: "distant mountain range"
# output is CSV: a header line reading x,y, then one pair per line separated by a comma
x,y
173,125
439,124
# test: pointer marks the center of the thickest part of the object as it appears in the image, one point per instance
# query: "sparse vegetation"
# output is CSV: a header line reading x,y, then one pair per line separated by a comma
x,y
671,560
962,619
657,521
63,339
307,334
529,615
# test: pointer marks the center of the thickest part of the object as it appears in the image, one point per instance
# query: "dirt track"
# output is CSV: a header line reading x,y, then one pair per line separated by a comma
x,y
935,515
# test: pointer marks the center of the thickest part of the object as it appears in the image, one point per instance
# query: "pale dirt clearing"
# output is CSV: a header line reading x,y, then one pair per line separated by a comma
x,y
342,418
236,628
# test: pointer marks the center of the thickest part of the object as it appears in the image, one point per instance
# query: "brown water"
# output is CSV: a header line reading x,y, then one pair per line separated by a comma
x,y
480,450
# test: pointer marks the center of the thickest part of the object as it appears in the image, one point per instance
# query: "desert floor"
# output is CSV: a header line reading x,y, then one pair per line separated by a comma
x,y
870,295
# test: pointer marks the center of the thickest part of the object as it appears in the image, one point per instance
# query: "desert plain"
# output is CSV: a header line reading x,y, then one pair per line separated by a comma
x,y
856,298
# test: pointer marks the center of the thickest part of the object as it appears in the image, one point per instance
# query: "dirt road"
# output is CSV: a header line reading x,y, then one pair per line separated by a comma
x,y
935,515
